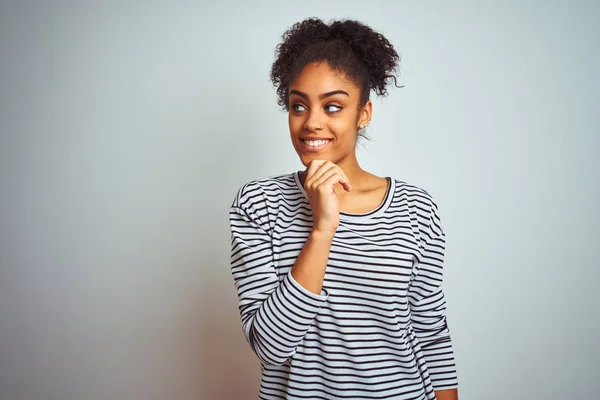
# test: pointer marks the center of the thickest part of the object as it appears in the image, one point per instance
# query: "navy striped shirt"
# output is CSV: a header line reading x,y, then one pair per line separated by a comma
x,y
377,330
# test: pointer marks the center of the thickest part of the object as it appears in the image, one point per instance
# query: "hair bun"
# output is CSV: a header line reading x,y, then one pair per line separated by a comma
x,y
376,52
366,56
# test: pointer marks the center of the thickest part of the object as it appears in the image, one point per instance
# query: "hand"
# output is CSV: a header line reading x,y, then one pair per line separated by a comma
x,y
321,178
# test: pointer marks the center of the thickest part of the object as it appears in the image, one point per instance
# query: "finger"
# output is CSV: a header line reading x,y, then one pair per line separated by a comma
x,y
344,181
341,179
338,178
326,165
318,180
313,166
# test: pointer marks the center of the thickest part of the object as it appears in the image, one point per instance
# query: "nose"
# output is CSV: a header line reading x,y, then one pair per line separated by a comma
x,y
313,122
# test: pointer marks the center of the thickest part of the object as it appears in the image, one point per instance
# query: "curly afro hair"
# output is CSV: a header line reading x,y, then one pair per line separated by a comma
x,y
364,56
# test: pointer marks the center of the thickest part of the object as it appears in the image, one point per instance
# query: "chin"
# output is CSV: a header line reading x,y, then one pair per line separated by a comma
x,y
307,158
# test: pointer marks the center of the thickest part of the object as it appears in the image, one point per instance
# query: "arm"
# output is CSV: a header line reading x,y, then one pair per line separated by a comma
x,y
428,310
322,176
309,269
450,394
275,315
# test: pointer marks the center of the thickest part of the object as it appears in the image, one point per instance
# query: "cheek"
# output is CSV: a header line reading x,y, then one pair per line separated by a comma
x,y
295,123
344,128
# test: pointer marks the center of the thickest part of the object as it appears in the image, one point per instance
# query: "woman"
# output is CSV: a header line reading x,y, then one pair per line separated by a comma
x,y
339,271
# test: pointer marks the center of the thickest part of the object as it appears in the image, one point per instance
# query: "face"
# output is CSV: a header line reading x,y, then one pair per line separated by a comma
x,y
324,115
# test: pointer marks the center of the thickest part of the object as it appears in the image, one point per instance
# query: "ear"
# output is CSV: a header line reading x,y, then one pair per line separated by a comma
x,y
365,114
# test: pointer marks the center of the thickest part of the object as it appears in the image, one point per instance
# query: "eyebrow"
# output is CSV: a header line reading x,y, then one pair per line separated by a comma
x,y
321,96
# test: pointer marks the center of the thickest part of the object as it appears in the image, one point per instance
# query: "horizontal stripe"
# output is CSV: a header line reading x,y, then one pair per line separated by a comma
x,y
378,329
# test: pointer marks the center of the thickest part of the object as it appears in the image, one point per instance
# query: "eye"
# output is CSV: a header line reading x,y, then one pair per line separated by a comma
x,y
298,107
332,108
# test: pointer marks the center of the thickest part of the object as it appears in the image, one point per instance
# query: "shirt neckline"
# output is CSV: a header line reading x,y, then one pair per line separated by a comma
x,y
375,213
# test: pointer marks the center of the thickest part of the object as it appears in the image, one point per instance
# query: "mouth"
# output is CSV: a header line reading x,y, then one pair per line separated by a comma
x,y
314,145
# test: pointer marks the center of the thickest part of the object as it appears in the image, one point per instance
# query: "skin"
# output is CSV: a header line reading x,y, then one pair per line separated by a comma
x,y
324,104
314,113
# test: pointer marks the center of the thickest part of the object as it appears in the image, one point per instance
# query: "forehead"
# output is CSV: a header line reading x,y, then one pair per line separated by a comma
x,y
319,78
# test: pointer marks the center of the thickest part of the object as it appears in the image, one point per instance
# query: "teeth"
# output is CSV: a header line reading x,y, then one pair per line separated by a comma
x,y
316,143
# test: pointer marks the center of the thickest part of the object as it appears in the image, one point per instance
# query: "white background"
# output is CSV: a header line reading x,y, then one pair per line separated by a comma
x,y
126,129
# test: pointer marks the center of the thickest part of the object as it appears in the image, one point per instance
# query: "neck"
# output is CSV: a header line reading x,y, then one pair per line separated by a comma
x,y
352,170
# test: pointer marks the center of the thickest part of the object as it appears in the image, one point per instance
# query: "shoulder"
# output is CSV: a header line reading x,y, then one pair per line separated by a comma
x,y
421,205
263,190
416,196
260,199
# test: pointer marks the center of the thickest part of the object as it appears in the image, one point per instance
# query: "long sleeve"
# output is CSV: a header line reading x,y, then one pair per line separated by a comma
x,y
275,314
428,306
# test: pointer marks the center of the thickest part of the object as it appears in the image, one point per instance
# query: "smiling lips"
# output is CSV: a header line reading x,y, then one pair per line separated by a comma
x,y
314,145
